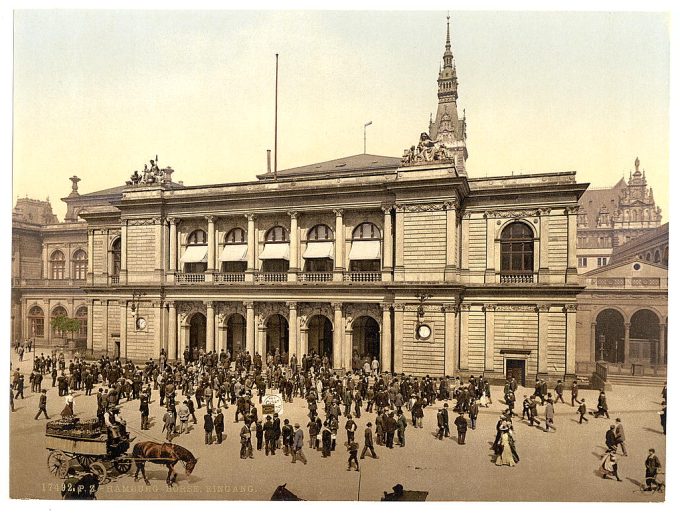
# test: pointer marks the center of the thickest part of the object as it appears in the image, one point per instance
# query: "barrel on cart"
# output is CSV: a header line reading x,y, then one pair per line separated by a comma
x,y
88,443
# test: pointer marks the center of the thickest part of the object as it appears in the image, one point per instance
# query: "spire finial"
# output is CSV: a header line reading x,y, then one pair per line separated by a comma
x,y
448,33
637,163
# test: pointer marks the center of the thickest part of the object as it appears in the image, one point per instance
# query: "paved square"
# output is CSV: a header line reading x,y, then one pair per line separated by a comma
x,y
559,466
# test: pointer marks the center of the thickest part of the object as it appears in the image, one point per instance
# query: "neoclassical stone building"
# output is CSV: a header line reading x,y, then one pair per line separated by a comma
x,y
405,258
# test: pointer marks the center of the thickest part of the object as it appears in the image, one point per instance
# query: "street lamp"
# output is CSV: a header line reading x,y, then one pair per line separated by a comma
x,y
365,125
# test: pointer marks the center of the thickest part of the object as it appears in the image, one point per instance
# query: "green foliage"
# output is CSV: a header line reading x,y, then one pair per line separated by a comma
x,y
63,324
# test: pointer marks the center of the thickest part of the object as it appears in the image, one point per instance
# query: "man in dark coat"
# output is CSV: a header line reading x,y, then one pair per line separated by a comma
x,y
461,426
610,438
208,426
559,390
42,404
268,429
474,412
219,425
574,392
445,415
390,428
582,412
368,442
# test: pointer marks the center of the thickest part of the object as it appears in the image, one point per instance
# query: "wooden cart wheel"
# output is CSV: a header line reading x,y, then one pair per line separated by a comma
x,y
99,470
85,460
122,465
58,463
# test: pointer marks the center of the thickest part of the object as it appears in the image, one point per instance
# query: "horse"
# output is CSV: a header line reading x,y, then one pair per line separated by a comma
x,y
162,454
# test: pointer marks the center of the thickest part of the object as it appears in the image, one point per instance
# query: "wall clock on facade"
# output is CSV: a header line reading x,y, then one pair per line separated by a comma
x,y
141,323
423,331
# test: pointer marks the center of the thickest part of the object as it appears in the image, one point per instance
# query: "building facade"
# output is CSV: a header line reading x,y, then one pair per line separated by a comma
x,y
611,217
407,259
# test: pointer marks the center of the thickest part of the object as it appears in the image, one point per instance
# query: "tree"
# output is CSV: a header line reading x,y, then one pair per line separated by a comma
x,y
63,324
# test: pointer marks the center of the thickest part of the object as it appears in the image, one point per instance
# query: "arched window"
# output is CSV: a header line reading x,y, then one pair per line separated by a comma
x,y
657,256
665,256
79,265
320,232
277,234
648,256
236,236
366,231
58,311
81,315
197,238
115,257
36,322
57,265
517,250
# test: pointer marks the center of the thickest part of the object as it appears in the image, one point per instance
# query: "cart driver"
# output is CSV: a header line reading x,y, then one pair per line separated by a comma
x,y
115,424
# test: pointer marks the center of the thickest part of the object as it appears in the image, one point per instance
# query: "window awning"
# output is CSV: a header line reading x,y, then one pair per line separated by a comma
x,y
194,254
318,250
276,252
365,250
234,253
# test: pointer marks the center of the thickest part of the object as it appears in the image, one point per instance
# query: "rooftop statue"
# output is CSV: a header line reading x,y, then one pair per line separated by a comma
x,y
150,175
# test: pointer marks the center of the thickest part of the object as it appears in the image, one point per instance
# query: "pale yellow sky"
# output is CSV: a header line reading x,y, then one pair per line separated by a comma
x,y
99,93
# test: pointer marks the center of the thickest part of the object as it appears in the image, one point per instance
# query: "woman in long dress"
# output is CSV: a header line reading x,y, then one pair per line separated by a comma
x,y
68,407
504,456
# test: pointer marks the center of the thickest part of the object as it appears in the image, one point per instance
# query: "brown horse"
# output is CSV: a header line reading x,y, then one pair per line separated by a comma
x,y
162,454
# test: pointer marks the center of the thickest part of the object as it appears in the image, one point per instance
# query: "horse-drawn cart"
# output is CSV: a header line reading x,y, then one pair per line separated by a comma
x,y
88,444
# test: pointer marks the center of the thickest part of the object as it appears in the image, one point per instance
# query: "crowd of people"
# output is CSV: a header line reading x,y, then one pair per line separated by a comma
x,y
215,382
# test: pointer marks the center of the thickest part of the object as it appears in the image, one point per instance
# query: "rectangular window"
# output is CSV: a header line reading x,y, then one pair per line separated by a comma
x,y
583,261
601,261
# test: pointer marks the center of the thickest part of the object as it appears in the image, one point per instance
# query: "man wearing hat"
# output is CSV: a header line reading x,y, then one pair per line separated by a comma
x,y
269,441
208,426
368,442
461,426
168,424
298,443
582,412
620,436
219,425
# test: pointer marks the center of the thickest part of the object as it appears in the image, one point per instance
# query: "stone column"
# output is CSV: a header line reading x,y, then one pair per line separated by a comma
x,y
399,243
593,343
292,330
339,264
90,257
661,351
398,355
252,241
388,247
451,243
543,311
464,322
490,274
45,262
450,340
626,342
338,330
465,240
294,247
211,243
572,261
173,244
570,364
544,246
347,347
123,328
159,266
386,339
490,317
158,325
250,327
172,331
123,253
262,341
210,326
90,319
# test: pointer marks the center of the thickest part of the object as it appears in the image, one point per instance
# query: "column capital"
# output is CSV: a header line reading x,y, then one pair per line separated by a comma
x,y
250,217
336,306
172,220
292,305
489,307
465,307
451,204
339,212
210,218
399,307
626,325
385,307
249,304
544,211
293,214
449,308
122,302
572,210
570,308
209,304
387,207
543,308
171,304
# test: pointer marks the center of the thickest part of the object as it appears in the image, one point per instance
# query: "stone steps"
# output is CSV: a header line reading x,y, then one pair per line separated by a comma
x,y
649,381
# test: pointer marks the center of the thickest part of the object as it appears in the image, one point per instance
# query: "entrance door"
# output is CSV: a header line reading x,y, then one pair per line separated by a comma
x,y
516,369
197,332
116,348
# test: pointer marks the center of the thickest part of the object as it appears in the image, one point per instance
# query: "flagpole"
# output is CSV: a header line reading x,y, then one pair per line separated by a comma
x,y
276,116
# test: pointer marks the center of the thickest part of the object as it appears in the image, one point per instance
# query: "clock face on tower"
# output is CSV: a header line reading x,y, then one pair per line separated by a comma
x,y
423,331
141,323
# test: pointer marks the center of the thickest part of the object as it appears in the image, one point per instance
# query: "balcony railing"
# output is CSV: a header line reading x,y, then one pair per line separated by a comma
x,y
115,280
517,277
229,277
49,282
362,276
190,277
315,277
271,277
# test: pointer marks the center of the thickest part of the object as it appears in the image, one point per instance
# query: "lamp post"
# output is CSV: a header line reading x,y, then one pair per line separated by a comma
x,y
365,125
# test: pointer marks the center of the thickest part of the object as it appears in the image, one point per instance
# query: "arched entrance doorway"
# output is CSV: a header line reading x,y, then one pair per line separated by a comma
x,y
277,334
196,333
609,336
320,336
236,333
366,338
644,337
